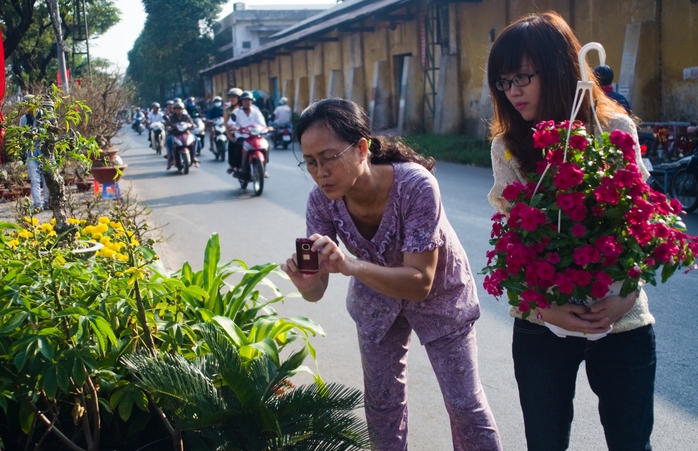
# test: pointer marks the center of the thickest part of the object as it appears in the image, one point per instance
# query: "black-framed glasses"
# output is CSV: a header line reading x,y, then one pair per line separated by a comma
x,y
520,80
312,165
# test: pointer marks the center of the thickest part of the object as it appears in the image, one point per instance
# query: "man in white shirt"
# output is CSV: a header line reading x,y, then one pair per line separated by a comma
x,y
154,115
282,113
244,117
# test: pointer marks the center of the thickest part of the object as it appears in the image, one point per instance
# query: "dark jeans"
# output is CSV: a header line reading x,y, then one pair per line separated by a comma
x,y
235,153
620,368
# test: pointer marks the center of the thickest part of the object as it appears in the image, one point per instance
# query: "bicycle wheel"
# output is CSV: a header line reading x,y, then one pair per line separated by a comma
x,y
684,188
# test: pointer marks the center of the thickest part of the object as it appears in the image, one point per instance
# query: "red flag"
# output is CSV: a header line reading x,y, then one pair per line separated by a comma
x,y
2,87
2,69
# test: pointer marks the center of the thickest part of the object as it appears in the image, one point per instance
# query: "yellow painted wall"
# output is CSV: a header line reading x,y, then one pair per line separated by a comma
x,y
668,35
679,51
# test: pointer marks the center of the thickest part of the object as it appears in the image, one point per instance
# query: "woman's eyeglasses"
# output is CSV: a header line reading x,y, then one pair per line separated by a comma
x,y
312,165
520,80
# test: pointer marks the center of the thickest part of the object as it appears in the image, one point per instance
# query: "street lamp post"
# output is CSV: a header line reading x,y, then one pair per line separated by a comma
x,y
60,48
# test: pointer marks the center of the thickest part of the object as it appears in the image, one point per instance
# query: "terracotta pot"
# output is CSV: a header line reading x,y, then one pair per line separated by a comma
x,y
12,195
26,190
84,185
107,174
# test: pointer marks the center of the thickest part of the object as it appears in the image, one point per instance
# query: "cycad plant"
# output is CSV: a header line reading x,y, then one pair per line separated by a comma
x,y
225,403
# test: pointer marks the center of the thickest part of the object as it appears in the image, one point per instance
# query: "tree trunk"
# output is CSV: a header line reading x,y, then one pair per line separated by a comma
x,y
55,185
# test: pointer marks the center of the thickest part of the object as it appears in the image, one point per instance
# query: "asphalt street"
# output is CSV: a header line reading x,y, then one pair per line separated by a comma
x,y
189,208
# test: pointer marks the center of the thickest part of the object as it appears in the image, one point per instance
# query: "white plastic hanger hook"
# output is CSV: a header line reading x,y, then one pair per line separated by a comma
x,y
583,58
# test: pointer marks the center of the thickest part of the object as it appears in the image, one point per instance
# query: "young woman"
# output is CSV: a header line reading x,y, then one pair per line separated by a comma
x,y
532,73
408,272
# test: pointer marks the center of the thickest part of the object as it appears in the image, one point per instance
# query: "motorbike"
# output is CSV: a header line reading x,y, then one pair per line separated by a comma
x,y
257,147
684,183
220,139
283,135
199,131
184,143
157,136
138,126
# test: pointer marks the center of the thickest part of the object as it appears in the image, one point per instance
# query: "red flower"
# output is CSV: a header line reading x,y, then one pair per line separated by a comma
x,y
579,142
512,192
543,138
599,290
586,254
568,176
578,230
579,277
553,258
609,246
635,272
665,251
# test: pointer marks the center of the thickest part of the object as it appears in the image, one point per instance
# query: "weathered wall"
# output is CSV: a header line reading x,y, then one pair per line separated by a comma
x,y
666,31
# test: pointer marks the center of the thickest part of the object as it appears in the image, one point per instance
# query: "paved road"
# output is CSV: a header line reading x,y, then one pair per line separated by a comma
x,y
263,229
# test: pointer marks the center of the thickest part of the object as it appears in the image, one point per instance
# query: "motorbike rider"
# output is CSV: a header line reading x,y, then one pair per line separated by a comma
x,y
214,112
245,116
282,113
173,119
604,74
138,117
154,115
191,107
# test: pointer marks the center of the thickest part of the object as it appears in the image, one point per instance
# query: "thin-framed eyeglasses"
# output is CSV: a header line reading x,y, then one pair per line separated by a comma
x,y
520,80
312,165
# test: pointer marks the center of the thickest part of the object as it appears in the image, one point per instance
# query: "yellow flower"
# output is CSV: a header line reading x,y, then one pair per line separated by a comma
x,y
73,221
32,221
116,225
122,257
53,221
13,243
52,233
134,241
102,227
88,230
103,220
25,234
118,274
96,236
105,240
108,252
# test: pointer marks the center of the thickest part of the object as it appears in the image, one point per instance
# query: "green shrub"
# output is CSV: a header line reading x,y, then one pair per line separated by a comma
x,y
453,148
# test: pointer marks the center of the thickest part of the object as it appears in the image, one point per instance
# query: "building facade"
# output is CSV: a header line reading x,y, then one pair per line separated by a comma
x,y
419,65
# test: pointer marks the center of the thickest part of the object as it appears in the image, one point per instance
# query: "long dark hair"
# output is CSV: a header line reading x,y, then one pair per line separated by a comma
x,y
349,122
550,45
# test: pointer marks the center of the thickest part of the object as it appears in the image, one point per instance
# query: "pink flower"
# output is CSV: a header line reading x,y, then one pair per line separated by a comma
x,y
624,178
524,307
580,277
568,176
532,296
512,191
553,258
599,290
635,272
578,230
585,255
608,245
607,192
579,142
544,270
498,217
532,219
569,201
543,138
665,251
492,286
564,283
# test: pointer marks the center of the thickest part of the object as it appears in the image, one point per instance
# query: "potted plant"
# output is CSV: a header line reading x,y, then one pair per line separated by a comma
x,y
54,128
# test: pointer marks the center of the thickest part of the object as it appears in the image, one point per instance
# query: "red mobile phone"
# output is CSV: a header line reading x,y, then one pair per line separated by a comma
x,y
307,259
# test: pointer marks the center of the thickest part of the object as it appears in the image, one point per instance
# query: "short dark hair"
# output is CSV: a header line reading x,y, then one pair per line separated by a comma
x,y
604,74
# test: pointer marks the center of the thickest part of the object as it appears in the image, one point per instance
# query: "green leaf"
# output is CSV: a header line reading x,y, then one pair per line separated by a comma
x,y
50,382
26,416
12,324
79,372
231,329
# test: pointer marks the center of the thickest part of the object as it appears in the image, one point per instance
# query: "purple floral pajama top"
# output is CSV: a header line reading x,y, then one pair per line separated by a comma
x,y
414,221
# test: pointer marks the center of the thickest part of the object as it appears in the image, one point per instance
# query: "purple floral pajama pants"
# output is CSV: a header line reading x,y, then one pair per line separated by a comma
x,y
454,359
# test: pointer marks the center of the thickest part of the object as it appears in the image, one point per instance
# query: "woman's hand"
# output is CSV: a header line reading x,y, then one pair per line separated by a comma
x,y
311,285
571,317
331,257
610,309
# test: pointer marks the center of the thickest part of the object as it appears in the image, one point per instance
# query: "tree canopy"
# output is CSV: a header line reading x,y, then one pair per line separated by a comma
x,y
30,48
175,43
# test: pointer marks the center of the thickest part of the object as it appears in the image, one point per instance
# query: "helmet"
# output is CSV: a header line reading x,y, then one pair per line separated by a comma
x,y
283,101
235,92
246,95
178,104
169,102
604,74
190,101
155,105
177,99
217,99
